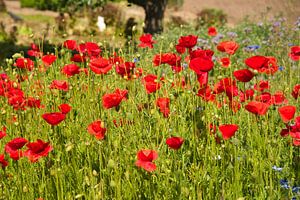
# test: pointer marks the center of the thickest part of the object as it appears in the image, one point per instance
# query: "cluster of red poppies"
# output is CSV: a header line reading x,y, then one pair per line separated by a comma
x,y
200,61
35,150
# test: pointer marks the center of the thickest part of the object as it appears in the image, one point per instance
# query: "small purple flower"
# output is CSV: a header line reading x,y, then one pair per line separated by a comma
x,y
277,24
290,44
202,41
232,34
252,48
217,38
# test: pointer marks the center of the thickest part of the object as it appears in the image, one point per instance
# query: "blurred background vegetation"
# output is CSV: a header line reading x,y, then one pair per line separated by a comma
x,y
52,21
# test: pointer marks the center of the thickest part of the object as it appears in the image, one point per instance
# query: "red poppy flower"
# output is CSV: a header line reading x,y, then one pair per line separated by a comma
x,y
34,51
212,31
24,63
145,159
264,97
256,62
122,93
16,98
146,41
295,53
33,103
70,70
115,59
224,83
54,118
147,155
188,41
180,49
243,75
287,113
114,99
296,91
228,130
229,47
262,85
249,94
231,91
225,62
262,64
257,108
97,129
206,94
60,85
92,49
78,58
3,162
100,65
177,69
279,98
175,142
205,54
200,65
65,108
2,133
166,58
70,44
295,132
151,83
13,148
284,132
37,149
164,106
125,69
48,59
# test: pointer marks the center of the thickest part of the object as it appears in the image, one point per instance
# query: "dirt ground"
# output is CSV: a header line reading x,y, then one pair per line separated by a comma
x,y
237,10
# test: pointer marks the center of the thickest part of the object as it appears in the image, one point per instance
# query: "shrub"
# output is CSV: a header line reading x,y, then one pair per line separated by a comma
x,y
211,16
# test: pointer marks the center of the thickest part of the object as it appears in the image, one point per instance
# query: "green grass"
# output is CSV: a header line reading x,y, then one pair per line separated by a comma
x,y
80,167
43,19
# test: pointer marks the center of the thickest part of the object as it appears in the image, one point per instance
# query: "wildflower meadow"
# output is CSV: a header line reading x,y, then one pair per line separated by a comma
x,y
211,113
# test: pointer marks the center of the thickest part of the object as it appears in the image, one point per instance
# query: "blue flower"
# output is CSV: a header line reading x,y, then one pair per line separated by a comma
x,y
284,183
295,189
135,60
281,68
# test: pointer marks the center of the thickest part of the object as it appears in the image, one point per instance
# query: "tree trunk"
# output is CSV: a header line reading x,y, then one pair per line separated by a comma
x,y
154,10
2,6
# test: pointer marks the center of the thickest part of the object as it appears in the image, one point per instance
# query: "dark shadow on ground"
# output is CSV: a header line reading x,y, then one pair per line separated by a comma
x,y
9,48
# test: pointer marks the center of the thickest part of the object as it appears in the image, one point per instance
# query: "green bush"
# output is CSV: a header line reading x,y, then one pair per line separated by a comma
x,y
28,3
41,4
211,16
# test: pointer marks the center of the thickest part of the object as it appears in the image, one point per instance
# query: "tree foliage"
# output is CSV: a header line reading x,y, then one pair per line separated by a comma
x,y
63,5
